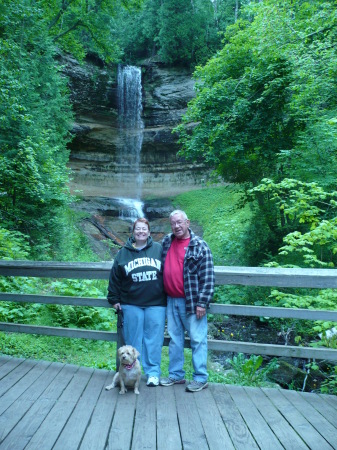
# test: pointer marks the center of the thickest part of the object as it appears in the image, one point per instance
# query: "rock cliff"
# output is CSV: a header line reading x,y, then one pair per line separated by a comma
x,y
97,137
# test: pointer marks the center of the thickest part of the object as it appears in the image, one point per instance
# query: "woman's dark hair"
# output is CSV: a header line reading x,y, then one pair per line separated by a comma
x,y
142,220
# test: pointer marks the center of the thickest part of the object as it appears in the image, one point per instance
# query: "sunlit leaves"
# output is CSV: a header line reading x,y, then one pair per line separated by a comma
x,y
310,211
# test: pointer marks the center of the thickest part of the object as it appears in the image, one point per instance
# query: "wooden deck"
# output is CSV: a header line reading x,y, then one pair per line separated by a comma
x,y
47,405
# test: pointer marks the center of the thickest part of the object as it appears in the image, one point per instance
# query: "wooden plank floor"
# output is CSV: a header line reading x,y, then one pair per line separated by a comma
x,y
47,405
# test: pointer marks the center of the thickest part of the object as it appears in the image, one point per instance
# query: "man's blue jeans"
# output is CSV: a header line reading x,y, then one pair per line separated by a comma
x,y
144,329
177,322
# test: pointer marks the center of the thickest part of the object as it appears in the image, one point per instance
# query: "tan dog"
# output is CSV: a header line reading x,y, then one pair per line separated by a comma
x,y
129,372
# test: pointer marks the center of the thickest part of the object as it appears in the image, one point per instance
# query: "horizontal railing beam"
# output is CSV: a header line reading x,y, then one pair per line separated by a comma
x,y
236,310
224,275
269,311
52,269
58,331
272,350
276,277
214,345
55,300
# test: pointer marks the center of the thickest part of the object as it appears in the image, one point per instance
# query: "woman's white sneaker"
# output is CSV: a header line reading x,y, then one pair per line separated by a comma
x,y
152,381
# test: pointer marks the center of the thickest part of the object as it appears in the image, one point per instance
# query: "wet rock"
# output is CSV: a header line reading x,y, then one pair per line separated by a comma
x,y
294,374
95,150
288,375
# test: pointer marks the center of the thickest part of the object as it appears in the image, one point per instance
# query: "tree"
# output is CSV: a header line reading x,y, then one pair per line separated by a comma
x,y
137,31
180,32
184,28
82,25
226,12
266,106
306,216
35,116
266,103
35,108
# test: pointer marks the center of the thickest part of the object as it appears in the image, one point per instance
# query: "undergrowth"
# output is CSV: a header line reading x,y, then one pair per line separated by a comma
x,y
224,221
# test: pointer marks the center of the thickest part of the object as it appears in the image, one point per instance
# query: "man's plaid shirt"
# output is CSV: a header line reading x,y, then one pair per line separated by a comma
x,y
198,271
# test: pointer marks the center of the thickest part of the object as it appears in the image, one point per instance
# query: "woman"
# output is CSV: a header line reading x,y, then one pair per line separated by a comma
x,y
136,286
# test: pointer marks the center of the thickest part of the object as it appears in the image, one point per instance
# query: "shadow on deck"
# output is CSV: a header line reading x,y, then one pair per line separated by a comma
x,y
47,405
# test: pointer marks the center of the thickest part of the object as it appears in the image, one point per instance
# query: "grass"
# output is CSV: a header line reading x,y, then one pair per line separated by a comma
x,y
223,221
81,352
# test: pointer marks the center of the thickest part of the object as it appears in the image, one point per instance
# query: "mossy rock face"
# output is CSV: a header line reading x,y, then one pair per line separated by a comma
x,y
288,376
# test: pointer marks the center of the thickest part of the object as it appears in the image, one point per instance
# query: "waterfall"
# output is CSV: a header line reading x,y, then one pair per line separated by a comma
x,y
131,139
130,209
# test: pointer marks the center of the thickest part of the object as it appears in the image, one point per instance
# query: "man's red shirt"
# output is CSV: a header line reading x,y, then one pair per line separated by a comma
x,y
174,268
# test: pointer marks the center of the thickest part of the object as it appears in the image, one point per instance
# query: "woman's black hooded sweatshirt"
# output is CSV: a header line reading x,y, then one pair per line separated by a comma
x,y
136,277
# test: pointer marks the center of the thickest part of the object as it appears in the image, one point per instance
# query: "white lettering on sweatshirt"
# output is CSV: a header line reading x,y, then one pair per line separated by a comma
x,y
141,262
144,276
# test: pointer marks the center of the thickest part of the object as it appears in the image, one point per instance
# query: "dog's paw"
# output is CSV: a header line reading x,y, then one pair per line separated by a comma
x,y
108,388
123,391
136,391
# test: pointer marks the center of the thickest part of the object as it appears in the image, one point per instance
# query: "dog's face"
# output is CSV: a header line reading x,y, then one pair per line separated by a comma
x,y
127,354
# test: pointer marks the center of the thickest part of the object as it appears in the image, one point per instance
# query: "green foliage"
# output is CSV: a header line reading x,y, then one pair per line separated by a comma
x,y
17,312
325,299
35,110
266,109
329,342
248,372
329,386
74,316
78,288
305,216
99,354
60,315
266,103
13,245
179,32
85,25
35,118
77,317
225,223
183,31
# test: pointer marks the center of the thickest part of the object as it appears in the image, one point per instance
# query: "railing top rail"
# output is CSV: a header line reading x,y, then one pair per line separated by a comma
x,y
225,275
106,265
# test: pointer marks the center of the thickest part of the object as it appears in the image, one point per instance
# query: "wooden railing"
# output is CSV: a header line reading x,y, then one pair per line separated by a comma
x,y
246,276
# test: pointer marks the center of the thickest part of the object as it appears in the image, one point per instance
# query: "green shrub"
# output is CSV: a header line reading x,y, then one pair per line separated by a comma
x,y
248,372
224,219
329,386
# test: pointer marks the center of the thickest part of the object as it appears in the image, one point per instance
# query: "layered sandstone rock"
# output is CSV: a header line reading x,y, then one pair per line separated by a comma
x,y
98,139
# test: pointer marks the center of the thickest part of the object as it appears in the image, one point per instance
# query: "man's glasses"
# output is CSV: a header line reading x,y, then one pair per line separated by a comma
x,y
177,223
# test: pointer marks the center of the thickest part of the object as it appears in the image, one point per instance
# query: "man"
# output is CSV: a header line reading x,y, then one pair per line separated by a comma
x,y
189,284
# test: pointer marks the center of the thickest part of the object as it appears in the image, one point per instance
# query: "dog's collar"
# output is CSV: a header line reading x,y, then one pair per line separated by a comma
x,y
129,366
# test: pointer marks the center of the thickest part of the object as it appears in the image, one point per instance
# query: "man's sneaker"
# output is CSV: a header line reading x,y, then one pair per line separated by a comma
x,y
196,386
152,381
170,381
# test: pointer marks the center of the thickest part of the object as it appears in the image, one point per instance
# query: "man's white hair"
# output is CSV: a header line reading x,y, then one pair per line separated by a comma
x,y
179,211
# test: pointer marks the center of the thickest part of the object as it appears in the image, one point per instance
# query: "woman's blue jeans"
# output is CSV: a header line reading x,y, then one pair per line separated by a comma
x,y
177,322
144,329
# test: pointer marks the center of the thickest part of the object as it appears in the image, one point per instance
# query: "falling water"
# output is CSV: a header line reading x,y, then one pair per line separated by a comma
x,y
130,209
131,134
